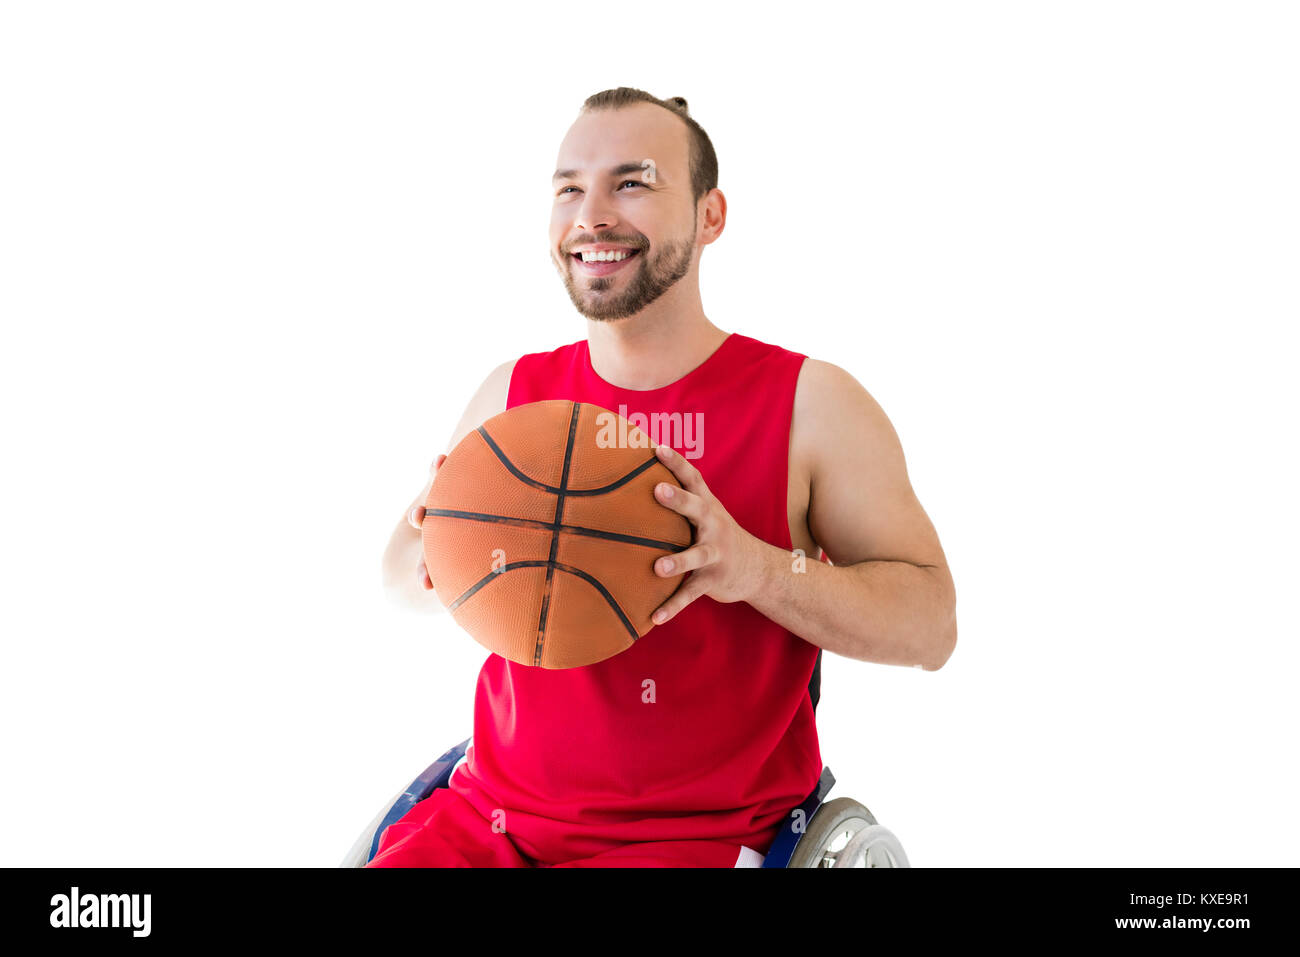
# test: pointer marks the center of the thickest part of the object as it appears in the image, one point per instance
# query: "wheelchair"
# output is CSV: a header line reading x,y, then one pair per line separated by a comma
x,y
818,833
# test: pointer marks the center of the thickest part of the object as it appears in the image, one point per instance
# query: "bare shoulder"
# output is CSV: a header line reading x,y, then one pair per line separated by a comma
x,y
496,387
861,503
832,407
489,400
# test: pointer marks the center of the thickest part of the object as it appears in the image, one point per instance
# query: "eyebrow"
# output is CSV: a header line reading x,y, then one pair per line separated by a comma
x,y
621,170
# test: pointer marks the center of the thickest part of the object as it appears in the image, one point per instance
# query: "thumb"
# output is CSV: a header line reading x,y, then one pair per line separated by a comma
x,y
416,515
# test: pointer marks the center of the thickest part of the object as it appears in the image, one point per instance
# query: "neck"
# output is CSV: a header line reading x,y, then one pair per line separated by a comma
x,y
640,354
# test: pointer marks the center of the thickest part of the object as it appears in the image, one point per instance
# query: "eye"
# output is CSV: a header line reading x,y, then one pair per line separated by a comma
x,y
634,182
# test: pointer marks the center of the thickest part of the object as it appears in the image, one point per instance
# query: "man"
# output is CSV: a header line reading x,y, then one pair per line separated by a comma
x,y
691,747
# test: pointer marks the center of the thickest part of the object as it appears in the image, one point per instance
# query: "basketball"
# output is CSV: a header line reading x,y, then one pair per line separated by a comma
x,y
541,531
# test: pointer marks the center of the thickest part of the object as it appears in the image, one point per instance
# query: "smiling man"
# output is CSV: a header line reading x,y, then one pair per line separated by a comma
x,y
691,747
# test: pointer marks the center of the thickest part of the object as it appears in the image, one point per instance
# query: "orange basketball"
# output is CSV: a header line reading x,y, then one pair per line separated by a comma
x,y
541,531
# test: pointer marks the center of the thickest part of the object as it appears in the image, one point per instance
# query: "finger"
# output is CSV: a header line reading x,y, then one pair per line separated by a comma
x,y
689,560
416,516
669,609
423,573
679,500
685,472
437,464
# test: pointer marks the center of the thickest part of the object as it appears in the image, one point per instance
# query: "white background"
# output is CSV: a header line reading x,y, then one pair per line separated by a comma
x,y
256,257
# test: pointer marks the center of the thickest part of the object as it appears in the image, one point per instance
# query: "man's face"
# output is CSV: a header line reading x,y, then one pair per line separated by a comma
x,y
607,197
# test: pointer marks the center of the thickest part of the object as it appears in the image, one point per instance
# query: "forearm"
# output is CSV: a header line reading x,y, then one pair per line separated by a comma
x,y
891,613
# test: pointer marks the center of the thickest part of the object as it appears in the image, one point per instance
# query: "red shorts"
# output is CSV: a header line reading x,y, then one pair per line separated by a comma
x,y
444,830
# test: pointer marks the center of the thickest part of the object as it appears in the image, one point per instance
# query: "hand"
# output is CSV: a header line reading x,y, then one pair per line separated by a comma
x,y
416,517
725,561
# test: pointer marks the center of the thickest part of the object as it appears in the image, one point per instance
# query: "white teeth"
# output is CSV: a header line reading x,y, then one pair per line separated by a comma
x,y
610,256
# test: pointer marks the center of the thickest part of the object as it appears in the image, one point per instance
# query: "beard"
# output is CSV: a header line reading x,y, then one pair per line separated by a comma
x,y
652,276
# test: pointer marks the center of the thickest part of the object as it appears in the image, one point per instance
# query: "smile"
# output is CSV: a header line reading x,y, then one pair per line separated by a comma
x,y
603,263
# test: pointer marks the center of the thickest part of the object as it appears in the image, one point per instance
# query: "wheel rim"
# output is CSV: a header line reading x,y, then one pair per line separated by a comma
x,y
873,846
840,839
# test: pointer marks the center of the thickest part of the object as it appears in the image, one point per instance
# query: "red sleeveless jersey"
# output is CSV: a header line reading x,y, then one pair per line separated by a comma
x,y
703,729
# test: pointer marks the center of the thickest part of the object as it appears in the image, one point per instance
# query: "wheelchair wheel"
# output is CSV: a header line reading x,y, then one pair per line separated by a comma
x,y
829,832
872,846
360,852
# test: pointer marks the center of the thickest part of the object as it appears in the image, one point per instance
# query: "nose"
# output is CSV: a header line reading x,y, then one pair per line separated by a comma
x,y
594,213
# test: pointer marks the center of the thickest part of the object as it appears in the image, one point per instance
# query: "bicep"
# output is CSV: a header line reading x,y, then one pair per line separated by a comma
x,y
862,506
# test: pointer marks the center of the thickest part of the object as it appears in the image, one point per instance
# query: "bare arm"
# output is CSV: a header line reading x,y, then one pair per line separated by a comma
x,y
404,576
888,598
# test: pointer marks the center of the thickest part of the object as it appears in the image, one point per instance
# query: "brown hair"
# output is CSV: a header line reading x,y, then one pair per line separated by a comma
x,y
703,161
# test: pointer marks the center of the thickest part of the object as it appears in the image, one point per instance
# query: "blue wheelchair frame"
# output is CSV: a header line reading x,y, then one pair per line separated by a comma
x,y
438,775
